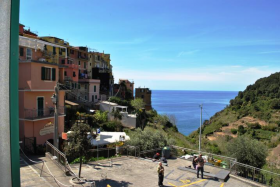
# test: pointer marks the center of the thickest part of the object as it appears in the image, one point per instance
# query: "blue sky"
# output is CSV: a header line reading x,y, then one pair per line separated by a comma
x,y
170,44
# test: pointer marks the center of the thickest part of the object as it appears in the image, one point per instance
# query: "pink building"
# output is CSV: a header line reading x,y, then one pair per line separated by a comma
x,y
37,79
89,89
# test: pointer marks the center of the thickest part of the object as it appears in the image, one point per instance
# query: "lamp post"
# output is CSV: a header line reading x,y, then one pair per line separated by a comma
x,y
55,100
200,128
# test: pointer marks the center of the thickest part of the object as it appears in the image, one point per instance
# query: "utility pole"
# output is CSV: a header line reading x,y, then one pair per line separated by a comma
x,y
200,127
55,136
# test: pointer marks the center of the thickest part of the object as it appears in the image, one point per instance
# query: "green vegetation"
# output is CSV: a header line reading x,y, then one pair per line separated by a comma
x,y
247,151
92,159
259,103
79,143
233,131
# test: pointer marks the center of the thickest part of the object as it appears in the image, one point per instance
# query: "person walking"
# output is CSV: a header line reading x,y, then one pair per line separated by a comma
x,y
194,162
200,165
160,171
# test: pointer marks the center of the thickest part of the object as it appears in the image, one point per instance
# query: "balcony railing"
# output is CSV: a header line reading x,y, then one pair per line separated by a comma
x,y
67,78
33,114
72,66
82,57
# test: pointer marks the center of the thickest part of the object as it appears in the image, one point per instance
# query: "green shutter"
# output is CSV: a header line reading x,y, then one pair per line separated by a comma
x,y
43,73
53,74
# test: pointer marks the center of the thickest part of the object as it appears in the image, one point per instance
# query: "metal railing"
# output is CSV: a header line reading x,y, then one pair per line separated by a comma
x,y
255,174
38,113
213,159
67,78
238,169
33,114
59,157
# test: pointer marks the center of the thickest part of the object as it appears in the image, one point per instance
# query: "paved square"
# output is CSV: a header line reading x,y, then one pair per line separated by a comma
x,y
129,171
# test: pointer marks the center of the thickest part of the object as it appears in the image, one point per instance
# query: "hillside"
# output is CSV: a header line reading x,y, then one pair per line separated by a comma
x,y
255,113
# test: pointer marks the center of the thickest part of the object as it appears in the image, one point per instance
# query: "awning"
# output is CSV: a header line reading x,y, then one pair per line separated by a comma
x,y
71,103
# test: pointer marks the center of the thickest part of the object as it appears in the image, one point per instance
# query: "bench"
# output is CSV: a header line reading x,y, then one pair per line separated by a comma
x,y
222,175
194,171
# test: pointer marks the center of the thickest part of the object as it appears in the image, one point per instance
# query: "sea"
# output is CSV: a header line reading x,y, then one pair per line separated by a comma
x,y
185,106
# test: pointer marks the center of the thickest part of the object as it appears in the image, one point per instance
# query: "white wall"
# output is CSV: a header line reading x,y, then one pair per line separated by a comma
x,y
5,158
128,120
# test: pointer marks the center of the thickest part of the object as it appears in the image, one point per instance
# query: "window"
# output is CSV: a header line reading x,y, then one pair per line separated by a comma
x,y
142,96
92,98
48,73
65,73
79,86
95,96
71,51
79,63
74,74
94,88
40,106
21,51
63,61
85,65
85,97
73,85
54,49
89,64
85,86
28,54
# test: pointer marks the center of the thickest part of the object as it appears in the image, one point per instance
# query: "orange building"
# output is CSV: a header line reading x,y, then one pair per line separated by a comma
x,y
146,95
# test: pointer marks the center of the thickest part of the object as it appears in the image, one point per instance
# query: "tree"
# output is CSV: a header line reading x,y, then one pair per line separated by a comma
x,y
146,139
116,114
138,104
100,117
79,143
248,151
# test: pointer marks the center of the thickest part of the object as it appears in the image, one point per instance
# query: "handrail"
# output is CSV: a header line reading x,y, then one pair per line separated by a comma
x,y
255,168
230,158
62,154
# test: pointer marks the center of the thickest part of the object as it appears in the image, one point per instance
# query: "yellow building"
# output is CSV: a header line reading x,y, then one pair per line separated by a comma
x,y
54,54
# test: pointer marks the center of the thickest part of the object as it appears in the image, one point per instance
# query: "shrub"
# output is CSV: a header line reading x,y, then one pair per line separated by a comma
x,y
112,126
146,139
248,151
253,125
270,127
233,131
275,104
241,130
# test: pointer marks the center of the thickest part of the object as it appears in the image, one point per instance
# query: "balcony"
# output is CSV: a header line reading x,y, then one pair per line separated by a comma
x,y
74,66
104,70
67,78
38,114
82,57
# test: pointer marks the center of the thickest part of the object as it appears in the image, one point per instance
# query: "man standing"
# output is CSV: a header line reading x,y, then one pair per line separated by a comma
x,y
200,164
160,171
